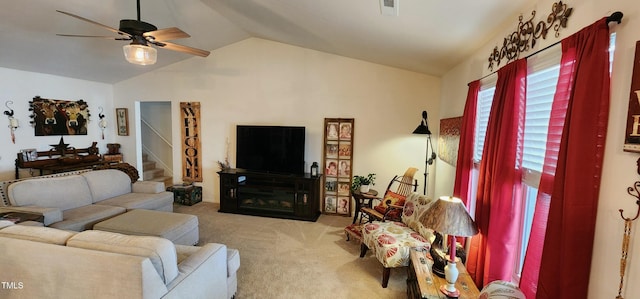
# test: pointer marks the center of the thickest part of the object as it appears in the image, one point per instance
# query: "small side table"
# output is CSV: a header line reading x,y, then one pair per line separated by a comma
x,y
362,199
422,283
186,194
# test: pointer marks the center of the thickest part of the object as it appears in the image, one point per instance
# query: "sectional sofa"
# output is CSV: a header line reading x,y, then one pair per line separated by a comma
x,y
43,262
78,201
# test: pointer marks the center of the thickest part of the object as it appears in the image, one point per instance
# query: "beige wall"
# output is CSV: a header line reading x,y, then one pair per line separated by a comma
x,y
619,171
261,82
21,87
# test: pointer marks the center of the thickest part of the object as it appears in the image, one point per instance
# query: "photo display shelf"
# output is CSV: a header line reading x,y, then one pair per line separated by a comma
x,y
337,162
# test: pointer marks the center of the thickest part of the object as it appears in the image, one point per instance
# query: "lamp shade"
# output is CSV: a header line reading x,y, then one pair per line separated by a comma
x,y
140,54
423,128
449,216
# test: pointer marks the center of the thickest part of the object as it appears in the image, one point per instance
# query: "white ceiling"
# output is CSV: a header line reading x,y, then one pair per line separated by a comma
x,y
428,36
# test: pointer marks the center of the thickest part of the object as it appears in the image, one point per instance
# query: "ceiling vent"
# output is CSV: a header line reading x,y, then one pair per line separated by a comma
x,y
389,7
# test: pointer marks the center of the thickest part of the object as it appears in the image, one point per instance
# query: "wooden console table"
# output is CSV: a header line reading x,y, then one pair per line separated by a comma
x,y
422,283
62,158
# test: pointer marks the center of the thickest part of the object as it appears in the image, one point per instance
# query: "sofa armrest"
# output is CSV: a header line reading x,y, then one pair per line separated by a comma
x,y
147,187
51,215
203,274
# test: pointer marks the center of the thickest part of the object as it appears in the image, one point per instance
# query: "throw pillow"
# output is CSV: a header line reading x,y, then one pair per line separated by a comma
x,y
396,199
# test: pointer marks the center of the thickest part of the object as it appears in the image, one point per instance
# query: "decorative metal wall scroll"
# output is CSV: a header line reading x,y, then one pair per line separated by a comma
x,y
528,32
626,237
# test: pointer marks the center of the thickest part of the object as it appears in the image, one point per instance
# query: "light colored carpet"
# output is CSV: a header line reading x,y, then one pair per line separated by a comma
x,y
282,258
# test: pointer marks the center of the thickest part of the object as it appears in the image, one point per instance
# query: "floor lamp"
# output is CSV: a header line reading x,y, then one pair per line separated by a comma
x,y
423,129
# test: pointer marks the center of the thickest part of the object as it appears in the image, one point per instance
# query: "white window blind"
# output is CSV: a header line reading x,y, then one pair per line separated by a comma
x,y
541,87
485,98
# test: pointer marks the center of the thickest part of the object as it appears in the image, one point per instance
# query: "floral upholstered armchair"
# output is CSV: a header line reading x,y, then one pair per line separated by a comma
x,y
391,240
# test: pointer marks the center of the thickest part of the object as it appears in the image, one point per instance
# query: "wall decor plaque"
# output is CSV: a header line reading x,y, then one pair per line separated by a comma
x,y
191,153
632,135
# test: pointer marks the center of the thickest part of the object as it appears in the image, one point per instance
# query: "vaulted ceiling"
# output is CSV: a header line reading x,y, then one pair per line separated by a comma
x,y
428,36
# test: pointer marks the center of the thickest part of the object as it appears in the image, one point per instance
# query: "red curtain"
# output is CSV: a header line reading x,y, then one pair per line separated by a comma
x,y
498,204
464,164
565,259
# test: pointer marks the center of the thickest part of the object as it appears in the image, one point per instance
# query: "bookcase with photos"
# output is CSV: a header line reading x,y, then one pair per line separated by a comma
x,y
337,162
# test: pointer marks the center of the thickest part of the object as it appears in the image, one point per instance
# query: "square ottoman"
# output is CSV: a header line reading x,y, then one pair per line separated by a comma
x,y
178,228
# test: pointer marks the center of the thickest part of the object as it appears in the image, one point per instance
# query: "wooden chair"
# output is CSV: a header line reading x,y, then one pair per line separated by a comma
x,y
392,202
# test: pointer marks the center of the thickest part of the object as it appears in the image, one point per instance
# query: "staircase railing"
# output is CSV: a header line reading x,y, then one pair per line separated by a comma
x,y
163,147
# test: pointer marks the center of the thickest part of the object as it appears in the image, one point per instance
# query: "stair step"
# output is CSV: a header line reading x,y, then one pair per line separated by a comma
x,y
148,165
153,173
145,157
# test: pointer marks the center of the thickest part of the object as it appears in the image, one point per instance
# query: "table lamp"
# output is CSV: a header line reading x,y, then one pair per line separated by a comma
x,y
448,215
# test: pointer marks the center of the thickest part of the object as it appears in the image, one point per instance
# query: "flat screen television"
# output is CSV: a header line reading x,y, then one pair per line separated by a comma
x,y
273,149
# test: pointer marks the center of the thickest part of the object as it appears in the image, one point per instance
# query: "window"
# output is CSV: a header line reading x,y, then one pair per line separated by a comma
x,y
542,79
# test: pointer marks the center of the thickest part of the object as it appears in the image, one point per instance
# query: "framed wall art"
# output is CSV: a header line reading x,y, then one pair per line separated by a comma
x,y
632,136
449,139
338,165
59,117
122,121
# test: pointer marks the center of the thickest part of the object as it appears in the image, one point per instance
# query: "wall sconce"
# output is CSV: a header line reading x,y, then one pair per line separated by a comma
x,y
103,122
13,122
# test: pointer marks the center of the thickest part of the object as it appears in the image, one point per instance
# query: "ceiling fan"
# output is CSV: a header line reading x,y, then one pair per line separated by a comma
x,y
141,34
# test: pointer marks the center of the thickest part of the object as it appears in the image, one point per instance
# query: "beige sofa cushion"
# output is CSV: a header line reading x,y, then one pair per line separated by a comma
x,y
69,192
85,217
161,252
37,234
107,183
148,187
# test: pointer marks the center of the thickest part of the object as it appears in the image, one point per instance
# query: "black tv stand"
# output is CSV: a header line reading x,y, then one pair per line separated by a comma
x,y
288,196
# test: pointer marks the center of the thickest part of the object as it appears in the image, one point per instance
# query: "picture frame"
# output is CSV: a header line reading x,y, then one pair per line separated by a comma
x,y
331,168
344,150
122,121
30,154
344,188
345,131
344,168
337,160
331,185
342,207
47,118
330,204
332,149
332,131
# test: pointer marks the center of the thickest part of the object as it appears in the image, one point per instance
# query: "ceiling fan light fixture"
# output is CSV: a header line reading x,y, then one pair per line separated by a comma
x,y
140,54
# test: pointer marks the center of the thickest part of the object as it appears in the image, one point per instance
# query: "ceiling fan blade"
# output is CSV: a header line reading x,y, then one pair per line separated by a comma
x,y
95,23
95,36
166,34
181,48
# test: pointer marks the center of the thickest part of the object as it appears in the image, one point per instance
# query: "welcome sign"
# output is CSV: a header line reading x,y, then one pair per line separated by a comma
x,y
191,157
